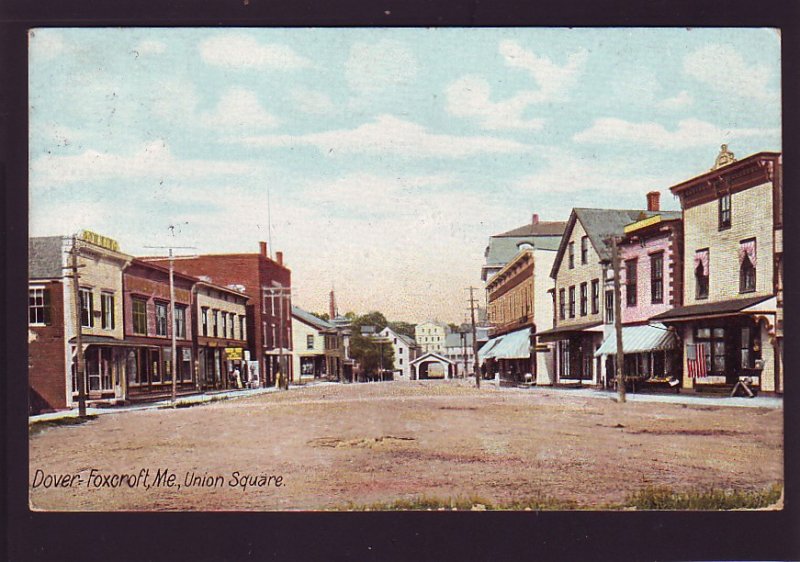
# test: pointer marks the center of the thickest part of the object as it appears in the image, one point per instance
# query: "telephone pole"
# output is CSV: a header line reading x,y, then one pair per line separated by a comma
x,y
76,292
474,336
281,293
618,319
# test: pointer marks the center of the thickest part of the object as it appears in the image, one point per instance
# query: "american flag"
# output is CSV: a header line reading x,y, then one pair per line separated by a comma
x,y
696,362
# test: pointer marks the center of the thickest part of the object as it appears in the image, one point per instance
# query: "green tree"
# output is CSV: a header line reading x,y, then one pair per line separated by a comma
x,y
404,328
323,316
371,354
373,318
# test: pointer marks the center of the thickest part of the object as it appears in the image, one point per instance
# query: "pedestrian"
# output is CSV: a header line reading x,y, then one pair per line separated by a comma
x,y
237,376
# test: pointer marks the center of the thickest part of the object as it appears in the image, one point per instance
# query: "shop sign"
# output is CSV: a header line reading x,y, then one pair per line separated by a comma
x,y
233,353
100,240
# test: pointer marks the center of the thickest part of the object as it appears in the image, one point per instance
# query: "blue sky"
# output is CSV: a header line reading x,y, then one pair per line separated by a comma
x,y
390,155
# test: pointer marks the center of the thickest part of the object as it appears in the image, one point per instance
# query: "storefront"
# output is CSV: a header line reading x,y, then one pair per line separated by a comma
x,y
104,369
650,356
576,345
727,342
149,370
509,357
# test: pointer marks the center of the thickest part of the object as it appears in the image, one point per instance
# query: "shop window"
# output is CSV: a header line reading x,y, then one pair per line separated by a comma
x,y
572,301
657,278
584,299
139,311
39,306
87,308
725,211
747,266
572,255
715,348
107,310
701,273
747,362
161,319
630,282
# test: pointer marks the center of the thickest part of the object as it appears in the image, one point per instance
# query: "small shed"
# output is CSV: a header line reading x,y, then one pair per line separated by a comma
x,y
432,366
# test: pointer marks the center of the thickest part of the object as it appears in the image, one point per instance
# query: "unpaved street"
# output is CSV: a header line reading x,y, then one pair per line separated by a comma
x,y
365,443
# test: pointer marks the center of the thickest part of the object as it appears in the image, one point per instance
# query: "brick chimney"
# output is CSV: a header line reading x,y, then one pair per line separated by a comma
x,y
263,247
535,219
654,201
279,257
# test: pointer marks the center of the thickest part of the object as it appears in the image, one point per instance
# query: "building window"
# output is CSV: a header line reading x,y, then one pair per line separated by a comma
x,y
180,322
139,313
232,322
595,296
107,311
204,320
747,266
161,319
224,325
87,308
713,346
630,282
215,318
701,273
572,301
584,299
725,211
747,359
401,360
657,278
242,330
572,255
39,306
584,250
609,307
310,341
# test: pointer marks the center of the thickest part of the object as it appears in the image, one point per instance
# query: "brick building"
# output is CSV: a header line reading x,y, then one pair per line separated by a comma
x,y
148,332
733,243
269,315
651,279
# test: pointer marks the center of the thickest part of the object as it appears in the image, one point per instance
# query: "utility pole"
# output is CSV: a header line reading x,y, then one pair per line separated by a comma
x,y
474,336
618,318
76,292
281,293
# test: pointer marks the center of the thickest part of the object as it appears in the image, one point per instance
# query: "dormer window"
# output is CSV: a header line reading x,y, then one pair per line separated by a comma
x,y
725,211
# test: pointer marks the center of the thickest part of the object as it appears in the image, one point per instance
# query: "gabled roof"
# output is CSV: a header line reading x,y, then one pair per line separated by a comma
x,y
44,257
599,225
310,319
430,354
410,342
541,228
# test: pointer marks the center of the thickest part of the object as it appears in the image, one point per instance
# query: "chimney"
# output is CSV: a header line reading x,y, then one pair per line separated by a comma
x,y
263,247
653,201
332,306
279,257
535,218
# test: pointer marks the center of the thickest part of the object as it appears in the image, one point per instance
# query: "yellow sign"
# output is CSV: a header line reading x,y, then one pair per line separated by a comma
x,y
233,353
100,240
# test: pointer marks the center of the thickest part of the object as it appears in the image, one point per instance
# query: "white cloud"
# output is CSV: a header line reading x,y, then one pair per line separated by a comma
x,y
45,44
389,135
152,160
469,96
680,100
241,51
689,133
312,102
239,108
554,81
150,47
725,71
373,67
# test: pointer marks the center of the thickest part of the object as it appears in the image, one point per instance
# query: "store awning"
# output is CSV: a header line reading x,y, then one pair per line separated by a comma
x,y
639,339
515,345
709,310
485,352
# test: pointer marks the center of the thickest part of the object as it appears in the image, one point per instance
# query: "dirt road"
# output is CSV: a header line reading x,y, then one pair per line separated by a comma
x,y
326,446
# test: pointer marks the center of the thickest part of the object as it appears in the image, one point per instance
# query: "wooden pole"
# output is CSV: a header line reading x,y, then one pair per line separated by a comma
x,y
618,319
474,337
78,330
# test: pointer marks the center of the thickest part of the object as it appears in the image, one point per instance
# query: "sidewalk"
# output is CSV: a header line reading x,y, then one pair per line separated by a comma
x,y
183,401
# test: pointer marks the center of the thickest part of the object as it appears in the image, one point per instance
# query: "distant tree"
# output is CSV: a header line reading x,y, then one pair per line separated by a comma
x,y
453,327
323,316
404,328
368,352
352,316
373,318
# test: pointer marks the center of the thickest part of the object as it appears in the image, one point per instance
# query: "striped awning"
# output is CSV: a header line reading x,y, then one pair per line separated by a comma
x,y
485,352
639,339
515,345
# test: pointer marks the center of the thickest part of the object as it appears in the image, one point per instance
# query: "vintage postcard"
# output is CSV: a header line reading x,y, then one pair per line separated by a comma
x,y
335,269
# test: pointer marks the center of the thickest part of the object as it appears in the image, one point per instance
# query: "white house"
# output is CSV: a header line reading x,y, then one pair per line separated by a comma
x,y
405,351
430,336
308,343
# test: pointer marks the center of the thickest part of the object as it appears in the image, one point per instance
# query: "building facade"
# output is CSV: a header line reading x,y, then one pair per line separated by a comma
x,y
430,336
308,333
459,350
545,235
405,351
733,223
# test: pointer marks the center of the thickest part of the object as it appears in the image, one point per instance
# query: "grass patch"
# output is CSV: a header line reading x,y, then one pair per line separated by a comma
x,y
465,503
659,498
39,426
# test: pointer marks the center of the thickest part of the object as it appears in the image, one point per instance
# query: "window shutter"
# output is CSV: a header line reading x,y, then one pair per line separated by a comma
x,y
46,297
